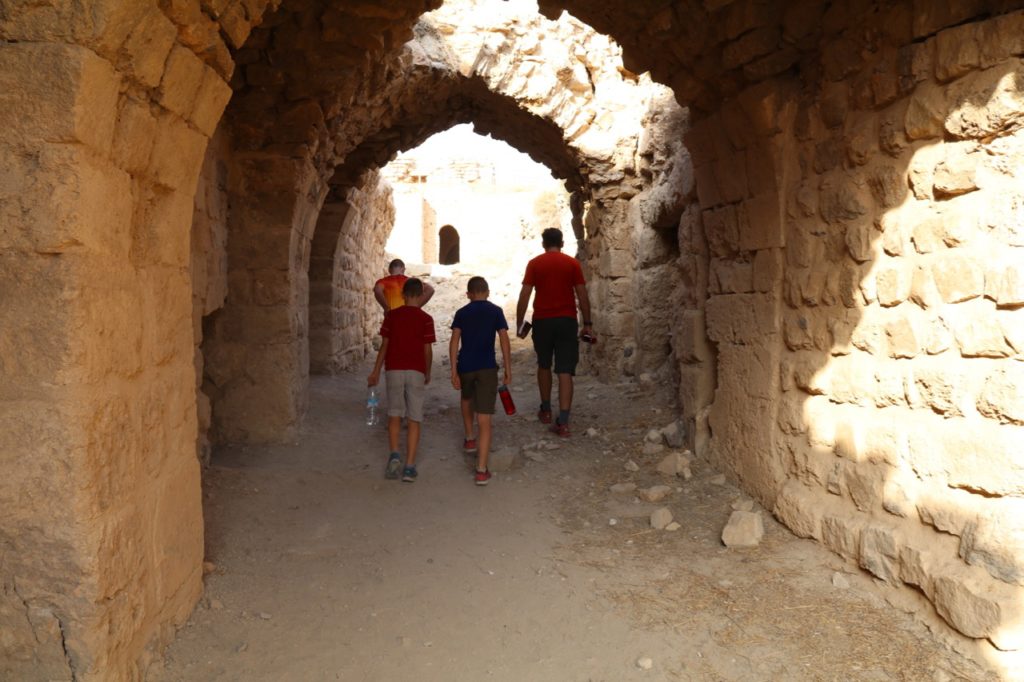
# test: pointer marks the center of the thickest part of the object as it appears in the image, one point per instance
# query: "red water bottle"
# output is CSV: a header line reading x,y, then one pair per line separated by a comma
x,y
506,400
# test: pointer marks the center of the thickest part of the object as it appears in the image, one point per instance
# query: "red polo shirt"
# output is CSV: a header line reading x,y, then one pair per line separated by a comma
x,y
554,276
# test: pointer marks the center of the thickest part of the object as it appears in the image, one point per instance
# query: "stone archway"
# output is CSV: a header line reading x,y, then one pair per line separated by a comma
x,y
875,138
448,248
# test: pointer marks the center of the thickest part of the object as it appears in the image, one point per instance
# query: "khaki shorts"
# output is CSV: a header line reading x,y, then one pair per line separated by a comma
x,y
480,388
406,393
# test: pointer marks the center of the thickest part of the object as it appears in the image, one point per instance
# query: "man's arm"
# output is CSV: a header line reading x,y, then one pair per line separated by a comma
x,y
428,293
428,355
378,293
524,302
375,374
506,354
453,357
584,299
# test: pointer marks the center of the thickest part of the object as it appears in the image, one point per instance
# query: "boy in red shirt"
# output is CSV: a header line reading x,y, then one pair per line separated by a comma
x,y
558,280
407,355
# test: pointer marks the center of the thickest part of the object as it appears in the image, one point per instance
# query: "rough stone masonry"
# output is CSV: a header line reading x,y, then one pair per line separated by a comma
x,y
829,239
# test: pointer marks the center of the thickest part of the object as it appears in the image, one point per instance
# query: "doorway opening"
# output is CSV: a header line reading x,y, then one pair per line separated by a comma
x,y
448,250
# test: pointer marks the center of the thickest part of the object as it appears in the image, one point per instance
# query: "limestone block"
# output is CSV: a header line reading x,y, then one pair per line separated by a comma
x,y
985,102
942,388
148,46
840,202
1008,289
880,552
859,238
731,177
616,263
939,336
923,291
177,154
979,607
970,453
800,509
893,282
957,51
958,276
897,492
926,112
731,277
744,529
888,186
841,533
760,223
905,337
865,483
213,95
956,174
181,80
979,334
57,93
691,336
708,192
1002,397
740,318
768,270
995,541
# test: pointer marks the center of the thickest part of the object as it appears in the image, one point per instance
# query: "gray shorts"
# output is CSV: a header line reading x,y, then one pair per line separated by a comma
x,y
406,392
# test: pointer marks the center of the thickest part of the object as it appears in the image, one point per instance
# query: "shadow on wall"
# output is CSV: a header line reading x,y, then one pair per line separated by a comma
x,y
899,417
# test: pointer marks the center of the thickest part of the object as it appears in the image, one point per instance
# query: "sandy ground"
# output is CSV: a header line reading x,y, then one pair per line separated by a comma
x,y
324,570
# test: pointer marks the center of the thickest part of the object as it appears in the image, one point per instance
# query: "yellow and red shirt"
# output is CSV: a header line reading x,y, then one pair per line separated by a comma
x,y
392,287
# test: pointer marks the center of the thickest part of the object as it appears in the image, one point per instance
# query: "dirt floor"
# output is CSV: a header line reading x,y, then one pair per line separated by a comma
x,y
323,570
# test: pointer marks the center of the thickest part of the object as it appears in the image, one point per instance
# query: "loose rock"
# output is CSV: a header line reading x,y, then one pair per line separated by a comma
x,y
592,432
673,435
660,518
612,522
655,493
672,527
718,480
653,448
742,505
644,663
653,436
630,465
745,529
622,488
839,580
674,464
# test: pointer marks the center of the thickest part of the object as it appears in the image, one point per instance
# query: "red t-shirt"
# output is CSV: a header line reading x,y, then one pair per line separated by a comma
x,y
407,330
554,275
392,287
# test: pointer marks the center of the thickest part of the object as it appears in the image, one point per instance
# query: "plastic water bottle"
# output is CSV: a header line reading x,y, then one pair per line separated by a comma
x,y
372,407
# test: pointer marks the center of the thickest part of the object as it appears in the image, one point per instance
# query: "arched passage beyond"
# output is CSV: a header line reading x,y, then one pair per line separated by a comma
x,y
448,245
853,165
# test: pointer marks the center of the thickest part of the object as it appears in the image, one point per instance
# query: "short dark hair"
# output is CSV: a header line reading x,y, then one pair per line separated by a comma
x,y
395,265
551,237
413,288
477,285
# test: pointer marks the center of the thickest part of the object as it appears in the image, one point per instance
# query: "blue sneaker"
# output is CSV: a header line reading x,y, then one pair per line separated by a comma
x,y
409,474
394,465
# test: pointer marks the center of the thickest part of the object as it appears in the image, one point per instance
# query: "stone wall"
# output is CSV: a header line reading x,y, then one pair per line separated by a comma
x,y
347,258
209,267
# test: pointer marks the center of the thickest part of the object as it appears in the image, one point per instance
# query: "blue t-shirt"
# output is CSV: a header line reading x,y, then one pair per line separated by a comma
x,y
479,322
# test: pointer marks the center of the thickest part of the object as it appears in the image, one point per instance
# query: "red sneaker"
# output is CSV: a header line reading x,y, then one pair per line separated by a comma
x,y
560,430
482,477
469,446
544,416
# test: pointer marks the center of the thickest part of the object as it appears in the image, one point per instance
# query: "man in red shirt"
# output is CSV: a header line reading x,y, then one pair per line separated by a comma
x,y
406,354
388,290
558,280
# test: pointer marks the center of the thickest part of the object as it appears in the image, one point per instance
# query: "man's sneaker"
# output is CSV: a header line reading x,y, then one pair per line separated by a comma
x,y
561,430
469,446
544,416
482,477
394,466
409,474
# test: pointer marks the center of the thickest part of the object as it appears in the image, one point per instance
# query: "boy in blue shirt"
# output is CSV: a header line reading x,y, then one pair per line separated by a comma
x,y
475,368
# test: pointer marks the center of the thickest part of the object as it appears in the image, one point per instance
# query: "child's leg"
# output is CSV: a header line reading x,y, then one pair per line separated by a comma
x,y
394,430
412,443
484,442
467,418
